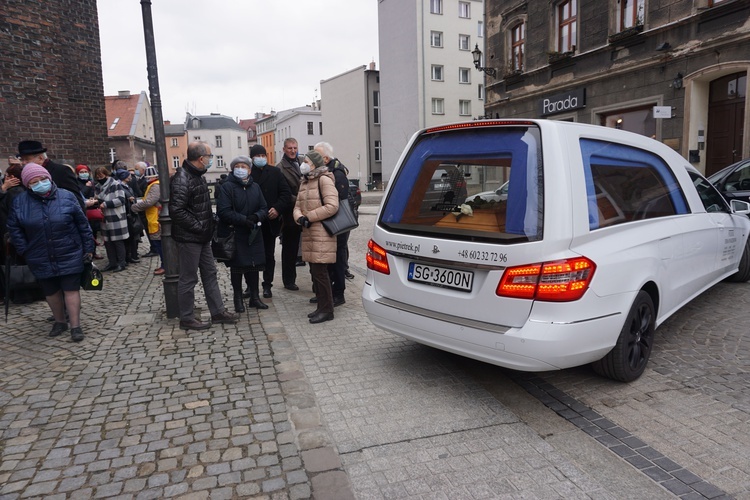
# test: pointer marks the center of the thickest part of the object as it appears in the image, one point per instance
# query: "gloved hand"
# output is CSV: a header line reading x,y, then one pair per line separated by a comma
x,y
252,220
303,221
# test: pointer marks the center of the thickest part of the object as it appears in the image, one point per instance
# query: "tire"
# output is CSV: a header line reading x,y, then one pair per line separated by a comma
x,y
743,273
628,358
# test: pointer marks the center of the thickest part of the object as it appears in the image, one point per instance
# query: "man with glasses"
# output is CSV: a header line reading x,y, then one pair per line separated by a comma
x,y
192,229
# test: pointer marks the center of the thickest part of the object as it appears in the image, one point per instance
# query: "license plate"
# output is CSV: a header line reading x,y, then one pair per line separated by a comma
x,y
441,276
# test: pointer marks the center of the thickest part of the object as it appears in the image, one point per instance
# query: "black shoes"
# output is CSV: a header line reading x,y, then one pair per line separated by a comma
x,y
114,268
76,334
348,275
134,260
267,292
246,294
321,317
194,324
258,304
314,300
337,301
57,329
118,269
225,317
300,263
151,254
239,304
293,287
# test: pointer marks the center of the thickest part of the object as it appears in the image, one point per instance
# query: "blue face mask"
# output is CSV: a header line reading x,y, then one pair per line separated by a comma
x,y
42,187
240,173
84,176
210,163
260,162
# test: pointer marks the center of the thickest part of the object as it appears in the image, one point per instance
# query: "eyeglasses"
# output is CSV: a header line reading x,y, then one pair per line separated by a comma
x,y
208,156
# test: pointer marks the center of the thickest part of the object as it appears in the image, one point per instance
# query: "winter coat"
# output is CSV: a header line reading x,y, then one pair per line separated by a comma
x,y
293,178
150,206
318,247
190,205
65,177
275,191
112,201
50,232
234,204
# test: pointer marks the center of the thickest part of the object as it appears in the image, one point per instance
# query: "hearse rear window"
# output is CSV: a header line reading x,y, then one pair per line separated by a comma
x,y
481,184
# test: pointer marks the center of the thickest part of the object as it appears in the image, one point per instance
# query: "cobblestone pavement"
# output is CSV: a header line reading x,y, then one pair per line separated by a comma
x,y
274,407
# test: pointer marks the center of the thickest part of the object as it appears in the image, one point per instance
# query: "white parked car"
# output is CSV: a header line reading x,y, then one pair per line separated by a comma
x,y
602,235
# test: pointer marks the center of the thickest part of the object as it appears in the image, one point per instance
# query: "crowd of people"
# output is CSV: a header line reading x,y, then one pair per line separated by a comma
x,y
51,215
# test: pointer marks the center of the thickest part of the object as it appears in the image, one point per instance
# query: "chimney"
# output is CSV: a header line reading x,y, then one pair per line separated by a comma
x,y
123,94
372,66
167,122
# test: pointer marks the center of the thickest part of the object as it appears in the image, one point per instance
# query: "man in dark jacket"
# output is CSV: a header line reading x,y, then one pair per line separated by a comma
x,y
192,229
290,230
62,176
278,197
337,270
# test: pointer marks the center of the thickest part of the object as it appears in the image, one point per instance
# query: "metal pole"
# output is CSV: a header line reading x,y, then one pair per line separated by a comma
x,y
169,249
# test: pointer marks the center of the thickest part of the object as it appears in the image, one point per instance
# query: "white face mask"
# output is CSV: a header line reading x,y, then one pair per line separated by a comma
x,y
305,168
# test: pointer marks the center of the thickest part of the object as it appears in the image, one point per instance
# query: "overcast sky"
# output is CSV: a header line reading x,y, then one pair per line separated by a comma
x,y
236,57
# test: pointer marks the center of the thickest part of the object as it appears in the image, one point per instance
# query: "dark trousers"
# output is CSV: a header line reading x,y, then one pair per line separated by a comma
x,y
322,287
290,236
337,270
269,246
156,245
115,252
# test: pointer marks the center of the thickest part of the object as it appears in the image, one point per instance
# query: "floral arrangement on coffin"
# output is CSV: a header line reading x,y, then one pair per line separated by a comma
x,y
462,210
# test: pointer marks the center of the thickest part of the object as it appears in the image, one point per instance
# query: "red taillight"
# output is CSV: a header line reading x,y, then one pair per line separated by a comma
x,y
377,259
559,281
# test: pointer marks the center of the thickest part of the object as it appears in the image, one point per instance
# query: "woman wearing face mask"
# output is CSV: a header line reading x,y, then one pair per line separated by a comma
x,y
317,200
48,228
93,212
241,208
111,197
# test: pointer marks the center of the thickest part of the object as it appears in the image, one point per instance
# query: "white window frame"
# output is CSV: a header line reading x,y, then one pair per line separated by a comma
x,y
176,161
219,141
436,7
480,92
437,73
464,42
464,75
239,141
480,29
436,39
464,10
438,106
464,107
175,142
378,151
220,161
376,107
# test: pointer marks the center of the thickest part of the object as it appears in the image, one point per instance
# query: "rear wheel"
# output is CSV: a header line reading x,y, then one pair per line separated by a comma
x,y
628,358
743,273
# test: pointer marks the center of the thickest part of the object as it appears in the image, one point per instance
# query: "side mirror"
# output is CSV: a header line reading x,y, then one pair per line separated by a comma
x,y
740,207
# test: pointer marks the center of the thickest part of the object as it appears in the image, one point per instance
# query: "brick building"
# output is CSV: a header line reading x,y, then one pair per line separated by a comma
x,y
675,70
51,86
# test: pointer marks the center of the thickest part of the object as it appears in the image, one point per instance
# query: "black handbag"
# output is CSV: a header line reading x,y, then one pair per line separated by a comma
x,y
91,277
342,221
135,226
20,277
222,247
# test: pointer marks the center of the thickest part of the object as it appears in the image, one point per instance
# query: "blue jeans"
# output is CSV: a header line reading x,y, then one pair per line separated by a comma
x,y
194,257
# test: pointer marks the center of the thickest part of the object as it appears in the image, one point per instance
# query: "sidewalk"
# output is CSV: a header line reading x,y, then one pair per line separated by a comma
x,y
142,409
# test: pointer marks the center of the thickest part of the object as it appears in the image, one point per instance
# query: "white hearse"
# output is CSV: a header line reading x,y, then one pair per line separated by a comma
x,y
602,236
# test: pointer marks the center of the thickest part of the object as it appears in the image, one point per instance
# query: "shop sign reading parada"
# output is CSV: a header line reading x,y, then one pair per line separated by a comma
x,y
560,103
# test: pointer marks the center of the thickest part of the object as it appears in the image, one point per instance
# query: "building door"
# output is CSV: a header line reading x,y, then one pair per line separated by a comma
x,y
726,120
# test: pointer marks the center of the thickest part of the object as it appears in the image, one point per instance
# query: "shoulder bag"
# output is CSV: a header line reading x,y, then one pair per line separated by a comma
x,y
342,221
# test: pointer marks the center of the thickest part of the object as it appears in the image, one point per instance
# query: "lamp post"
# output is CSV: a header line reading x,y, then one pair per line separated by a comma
x,y
477,55
169,249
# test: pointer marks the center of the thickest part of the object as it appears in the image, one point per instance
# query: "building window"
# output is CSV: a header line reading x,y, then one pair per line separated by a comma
x,y
567,25
112,155
437,73
436,39
114,124
464,108
376,107
464,42
480,29
438,106
218,141
239,142
220,161
464,75
711,3
176,161
631,13
310,129
436,6
320,128
175,143
517,43
464,10
480,92
378,151
197,138
639,120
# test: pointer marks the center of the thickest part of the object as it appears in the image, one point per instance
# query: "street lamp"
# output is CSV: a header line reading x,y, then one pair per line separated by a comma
x,y
477,54
169,248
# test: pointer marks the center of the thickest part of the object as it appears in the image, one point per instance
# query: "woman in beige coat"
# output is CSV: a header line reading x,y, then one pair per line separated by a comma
x,y
317,200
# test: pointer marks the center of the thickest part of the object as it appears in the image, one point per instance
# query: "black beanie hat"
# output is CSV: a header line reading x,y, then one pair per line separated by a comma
x,y
257,150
